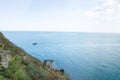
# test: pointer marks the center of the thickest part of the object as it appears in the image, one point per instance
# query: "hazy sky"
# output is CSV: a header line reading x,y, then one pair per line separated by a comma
x,y
60,15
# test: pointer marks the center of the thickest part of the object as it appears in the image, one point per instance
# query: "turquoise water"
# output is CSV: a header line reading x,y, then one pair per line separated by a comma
x,y
84,56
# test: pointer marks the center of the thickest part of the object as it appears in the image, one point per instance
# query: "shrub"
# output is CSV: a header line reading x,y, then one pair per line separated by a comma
x,y
36,72
2,78
20,75
15,69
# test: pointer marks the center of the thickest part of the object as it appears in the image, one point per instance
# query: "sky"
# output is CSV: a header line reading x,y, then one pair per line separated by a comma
x,y
60,15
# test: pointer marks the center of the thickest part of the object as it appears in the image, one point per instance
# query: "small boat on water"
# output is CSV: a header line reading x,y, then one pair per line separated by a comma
x,y
35,43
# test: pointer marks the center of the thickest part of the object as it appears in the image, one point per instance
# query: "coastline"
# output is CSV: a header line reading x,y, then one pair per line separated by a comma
x,y
31,67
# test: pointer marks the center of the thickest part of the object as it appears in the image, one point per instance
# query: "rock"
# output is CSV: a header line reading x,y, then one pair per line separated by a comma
x,y
24,58
5,58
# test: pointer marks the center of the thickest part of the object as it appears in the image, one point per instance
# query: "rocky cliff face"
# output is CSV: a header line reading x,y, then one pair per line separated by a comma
x,y
5,58
16,64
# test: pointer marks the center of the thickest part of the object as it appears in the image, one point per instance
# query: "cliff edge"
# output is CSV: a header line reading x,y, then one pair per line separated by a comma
x,y
16,64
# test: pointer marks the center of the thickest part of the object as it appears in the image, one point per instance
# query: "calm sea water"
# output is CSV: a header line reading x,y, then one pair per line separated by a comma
x,y
84,56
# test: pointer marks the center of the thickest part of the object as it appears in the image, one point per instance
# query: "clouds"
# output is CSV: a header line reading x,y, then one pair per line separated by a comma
x,y
61,15
105,8
106,15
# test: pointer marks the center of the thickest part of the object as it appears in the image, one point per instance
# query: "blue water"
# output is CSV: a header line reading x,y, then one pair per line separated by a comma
x,y
84,56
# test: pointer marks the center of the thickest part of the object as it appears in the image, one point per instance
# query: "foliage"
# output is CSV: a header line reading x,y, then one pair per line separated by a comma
x,y
2,78
20,69
0,57
15,69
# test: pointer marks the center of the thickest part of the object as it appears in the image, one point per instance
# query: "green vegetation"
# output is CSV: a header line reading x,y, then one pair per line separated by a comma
x,y
0,57
22,66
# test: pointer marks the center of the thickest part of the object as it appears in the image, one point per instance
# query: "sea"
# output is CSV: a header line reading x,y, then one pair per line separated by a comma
x,y
82,55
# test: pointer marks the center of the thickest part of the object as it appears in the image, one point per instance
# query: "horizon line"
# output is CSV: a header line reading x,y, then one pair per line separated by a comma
x,y
57,31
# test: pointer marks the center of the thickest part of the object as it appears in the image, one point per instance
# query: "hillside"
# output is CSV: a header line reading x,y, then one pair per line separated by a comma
x,y
16,64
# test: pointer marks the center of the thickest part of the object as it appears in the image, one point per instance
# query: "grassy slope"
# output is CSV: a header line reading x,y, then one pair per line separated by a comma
x,y
21,68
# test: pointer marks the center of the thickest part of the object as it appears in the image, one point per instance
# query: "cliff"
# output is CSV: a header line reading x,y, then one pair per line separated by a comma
x,y
16,64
